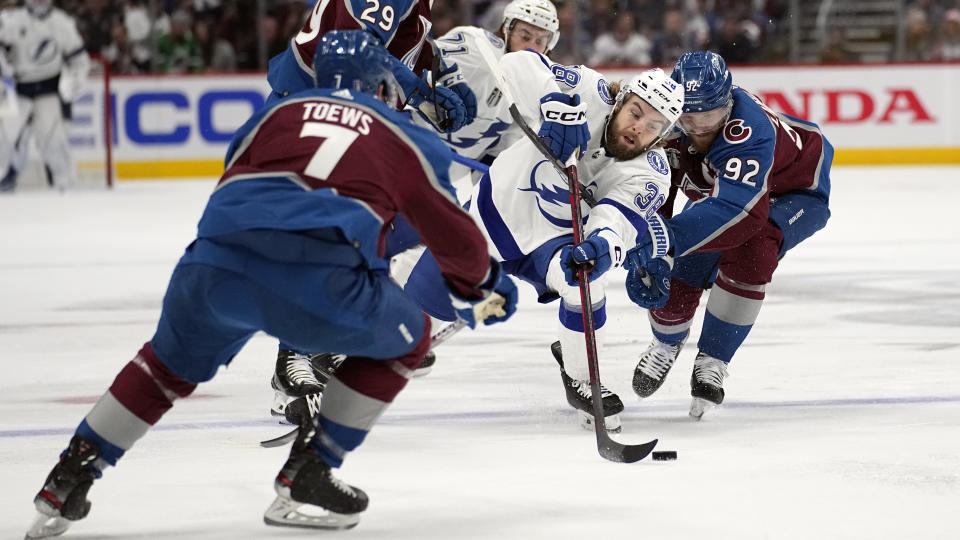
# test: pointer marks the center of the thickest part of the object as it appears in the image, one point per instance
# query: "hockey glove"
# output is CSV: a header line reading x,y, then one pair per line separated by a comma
x,y
594,253
657,243
564,129
650,263
497,305
451,77
650,290
440,106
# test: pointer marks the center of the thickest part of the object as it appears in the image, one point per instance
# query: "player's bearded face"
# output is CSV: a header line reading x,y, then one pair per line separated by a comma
x,y
634,127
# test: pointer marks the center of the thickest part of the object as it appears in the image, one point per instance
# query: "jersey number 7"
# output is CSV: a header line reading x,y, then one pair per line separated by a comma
x,y
336,140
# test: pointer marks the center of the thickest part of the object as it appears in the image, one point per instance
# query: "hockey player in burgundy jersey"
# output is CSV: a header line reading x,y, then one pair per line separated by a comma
x,y
402,27
291,243
758,183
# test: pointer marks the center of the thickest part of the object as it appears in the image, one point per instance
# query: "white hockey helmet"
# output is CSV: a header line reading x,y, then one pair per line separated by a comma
x,y
540,13
659,91
38,8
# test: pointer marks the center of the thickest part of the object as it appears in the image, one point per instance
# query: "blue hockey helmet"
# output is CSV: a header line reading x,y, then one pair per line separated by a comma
x,y
705,79
355,59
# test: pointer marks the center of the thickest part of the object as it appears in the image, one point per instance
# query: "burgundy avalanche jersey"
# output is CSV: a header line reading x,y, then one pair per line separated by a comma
x,y
758,155
401,25
334,158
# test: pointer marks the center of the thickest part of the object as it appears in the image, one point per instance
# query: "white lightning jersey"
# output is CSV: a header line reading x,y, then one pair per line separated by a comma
x,y
524,201
39,47
491,131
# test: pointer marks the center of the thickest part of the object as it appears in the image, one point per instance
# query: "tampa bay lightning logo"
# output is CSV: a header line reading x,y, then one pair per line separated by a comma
x,y
553,195
603,88
45,52
659,164
494,40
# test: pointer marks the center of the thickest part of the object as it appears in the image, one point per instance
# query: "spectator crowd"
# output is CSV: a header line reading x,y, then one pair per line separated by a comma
x,y
191,36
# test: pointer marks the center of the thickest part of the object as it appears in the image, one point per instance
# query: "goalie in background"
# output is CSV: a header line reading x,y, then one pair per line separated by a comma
x,y
290,243
44,57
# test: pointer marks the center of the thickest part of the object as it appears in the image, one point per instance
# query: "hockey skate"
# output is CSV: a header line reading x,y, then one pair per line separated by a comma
x,y
299,375
706,384
653,367
63,498
580,397
308,495
426,365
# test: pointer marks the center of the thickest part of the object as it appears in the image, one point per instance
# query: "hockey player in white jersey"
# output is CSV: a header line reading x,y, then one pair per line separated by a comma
x,y
527,24
48,63
523,207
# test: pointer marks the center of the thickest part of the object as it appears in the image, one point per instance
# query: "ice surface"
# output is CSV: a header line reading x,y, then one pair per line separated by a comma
x,y
842,418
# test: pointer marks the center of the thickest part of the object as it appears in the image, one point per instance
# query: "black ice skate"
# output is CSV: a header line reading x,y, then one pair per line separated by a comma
x,y
63,498
706,384
426,365
579,396
309,496
295,376
653,367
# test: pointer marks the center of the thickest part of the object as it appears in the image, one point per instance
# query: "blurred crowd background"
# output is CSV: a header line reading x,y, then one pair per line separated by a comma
x,y
184,36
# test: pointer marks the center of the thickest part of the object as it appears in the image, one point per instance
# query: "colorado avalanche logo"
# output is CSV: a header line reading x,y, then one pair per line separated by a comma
x,y
655,159
603,88
735,132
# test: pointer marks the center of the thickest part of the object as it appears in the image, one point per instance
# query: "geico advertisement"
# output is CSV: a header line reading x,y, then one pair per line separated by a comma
x,y
191,119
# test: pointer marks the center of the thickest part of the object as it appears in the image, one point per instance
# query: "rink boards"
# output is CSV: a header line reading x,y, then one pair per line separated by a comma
x,y
180,126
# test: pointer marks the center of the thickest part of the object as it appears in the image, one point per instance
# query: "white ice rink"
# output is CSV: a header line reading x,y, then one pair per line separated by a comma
x,y
842,418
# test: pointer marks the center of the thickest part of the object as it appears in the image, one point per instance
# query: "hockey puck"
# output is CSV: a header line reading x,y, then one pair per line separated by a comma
x,y
665,455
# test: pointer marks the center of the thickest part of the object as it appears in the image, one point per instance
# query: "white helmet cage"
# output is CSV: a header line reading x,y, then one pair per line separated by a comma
x,y
659,91
540,13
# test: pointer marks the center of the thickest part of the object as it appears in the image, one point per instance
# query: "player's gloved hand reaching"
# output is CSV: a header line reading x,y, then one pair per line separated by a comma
x,y
498,304
594,252
649,264
564,127
451,77
438,104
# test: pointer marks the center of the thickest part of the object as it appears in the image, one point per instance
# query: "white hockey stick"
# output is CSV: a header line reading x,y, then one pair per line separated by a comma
x,y
607,447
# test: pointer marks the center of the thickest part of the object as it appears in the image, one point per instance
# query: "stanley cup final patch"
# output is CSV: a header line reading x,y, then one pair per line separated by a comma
x,y
659,164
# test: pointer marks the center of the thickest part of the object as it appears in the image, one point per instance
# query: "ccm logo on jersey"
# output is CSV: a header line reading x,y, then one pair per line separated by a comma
x,y
571,117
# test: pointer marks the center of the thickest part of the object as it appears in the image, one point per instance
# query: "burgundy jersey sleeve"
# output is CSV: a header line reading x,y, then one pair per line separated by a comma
x,y
401,25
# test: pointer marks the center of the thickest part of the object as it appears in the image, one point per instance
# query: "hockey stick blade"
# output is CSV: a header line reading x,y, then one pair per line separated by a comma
x,y
622,453
281,440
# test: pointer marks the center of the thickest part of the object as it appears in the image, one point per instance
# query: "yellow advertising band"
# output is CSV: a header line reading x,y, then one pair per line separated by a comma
x,y
212,168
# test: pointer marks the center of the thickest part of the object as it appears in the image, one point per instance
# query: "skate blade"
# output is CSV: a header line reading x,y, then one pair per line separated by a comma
x,y
699,406
611,423
45,526
286,512
420,372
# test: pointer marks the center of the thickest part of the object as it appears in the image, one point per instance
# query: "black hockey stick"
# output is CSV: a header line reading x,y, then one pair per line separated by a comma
x,y
608,448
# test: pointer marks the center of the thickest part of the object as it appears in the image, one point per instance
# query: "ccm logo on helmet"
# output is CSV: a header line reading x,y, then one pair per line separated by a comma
x,y
566,117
